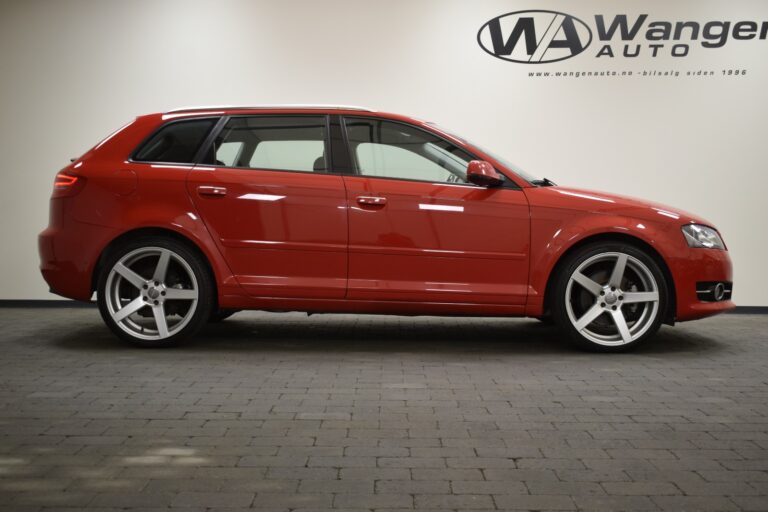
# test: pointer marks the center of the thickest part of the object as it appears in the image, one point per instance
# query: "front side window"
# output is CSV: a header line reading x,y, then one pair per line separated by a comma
x,y
176,142
503,161
289,143
389,149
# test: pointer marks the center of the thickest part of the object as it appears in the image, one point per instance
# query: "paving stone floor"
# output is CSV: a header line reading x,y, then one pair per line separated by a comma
x,y
289,412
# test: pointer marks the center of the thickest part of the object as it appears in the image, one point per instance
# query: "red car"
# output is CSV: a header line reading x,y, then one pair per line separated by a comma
x,y
187,216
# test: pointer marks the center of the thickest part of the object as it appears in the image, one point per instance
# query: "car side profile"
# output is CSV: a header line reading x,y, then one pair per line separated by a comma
x,y
184,217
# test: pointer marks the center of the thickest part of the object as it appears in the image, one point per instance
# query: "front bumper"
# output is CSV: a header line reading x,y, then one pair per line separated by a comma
x,y
697,266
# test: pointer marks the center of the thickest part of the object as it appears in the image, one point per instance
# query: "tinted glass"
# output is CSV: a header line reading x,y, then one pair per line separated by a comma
x,y
290,143
395,150
176,142
228,153
503,161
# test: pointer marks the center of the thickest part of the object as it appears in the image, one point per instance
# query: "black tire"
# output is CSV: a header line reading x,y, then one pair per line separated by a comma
x,y
645,317
203,306
219,315
546,319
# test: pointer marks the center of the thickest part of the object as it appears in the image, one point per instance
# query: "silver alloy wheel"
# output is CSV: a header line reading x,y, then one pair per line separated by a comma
x,y
616,285
147,289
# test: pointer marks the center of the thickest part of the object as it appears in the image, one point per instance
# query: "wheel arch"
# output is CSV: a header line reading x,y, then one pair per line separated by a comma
x,y
669,314
153,231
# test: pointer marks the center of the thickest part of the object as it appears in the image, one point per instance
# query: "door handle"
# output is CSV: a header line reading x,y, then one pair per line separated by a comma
x,y
371,200
209,190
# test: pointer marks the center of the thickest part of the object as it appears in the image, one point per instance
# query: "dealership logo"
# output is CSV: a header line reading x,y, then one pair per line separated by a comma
x,y
534,37
539,36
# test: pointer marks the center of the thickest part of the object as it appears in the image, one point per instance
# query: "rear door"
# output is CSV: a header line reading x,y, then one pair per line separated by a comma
x,y
272,202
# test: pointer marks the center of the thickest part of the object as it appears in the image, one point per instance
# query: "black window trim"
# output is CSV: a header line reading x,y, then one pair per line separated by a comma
x,y
164,125
350,169
206,146
340,156
508,183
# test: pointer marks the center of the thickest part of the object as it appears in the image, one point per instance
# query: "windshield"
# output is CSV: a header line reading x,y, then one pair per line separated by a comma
x,y
534,180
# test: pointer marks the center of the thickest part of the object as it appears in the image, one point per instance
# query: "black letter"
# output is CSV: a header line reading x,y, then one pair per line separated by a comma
x,y
744,30
680,25
719,38
620,22
605,50
523,25
683,47
571,40
662,27
626,51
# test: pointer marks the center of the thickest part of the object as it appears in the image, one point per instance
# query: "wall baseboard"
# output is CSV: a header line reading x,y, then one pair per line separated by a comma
x,y
750,310
31,303
52,303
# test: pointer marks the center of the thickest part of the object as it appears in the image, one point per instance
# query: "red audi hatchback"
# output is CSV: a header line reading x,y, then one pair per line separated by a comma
x,y
187,216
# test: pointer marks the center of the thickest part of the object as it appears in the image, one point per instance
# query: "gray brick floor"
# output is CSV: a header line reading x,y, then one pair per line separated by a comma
x,y
286,412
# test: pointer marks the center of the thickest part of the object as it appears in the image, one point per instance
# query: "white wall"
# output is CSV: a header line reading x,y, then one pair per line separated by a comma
x,y
72,71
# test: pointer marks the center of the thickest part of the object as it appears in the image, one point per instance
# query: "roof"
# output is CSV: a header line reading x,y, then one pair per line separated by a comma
x,y
270,107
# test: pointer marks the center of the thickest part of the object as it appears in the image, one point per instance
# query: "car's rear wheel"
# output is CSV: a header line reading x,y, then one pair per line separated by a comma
x,y
154,291
609,297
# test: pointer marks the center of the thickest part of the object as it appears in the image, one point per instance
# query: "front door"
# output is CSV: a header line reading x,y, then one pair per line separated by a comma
x,y
276,210
418,231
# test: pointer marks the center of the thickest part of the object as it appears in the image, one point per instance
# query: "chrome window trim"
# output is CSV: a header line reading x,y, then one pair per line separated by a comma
x,y
268,107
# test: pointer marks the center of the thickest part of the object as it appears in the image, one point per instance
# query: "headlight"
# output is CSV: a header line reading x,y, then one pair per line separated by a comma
x,y
702,236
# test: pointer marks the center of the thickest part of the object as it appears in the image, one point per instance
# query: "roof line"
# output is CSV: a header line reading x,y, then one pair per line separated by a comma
x,y
257,107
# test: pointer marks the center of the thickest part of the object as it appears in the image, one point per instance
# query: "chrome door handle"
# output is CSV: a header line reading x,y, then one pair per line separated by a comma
x,y
209,190
371,200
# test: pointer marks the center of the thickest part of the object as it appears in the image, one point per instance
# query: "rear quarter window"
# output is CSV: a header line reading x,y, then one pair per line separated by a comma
x,y
176,142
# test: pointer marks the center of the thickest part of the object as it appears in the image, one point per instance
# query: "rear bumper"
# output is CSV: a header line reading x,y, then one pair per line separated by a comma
x,y
696,266
68,255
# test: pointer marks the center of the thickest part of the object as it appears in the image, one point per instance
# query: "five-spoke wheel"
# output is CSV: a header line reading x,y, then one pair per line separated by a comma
x,y
610,296
153,292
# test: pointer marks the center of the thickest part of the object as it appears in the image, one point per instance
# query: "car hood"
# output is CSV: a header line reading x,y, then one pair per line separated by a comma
x,y
602,202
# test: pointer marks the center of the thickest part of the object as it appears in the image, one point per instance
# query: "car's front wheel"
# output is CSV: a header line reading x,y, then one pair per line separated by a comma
x,y
154,291
609,296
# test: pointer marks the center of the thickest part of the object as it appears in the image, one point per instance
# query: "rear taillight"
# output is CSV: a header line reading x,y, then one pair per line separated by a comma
x,y
64,181
67,184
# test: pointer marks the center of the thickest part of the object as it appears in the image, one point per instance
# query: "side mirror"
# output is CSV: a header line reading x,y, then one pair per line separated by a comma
x,y
483,174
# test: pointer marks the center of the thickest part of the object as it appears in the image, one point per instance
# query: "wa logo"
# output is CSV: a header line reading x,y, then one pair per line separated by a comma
x,y
534,37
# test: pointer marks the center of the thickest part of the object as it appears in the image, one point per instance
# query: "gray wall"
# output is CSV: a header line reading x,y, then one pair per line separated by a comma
x,y
73,71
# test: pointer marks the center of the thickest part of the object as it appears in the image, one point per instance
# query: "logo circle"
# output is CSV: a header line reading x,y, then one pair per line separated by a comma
x,y
527,32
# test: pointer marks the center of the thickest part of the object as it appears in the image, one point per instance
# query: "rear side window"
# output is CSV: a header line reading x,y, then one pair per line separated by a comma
x,y
289,143
176,142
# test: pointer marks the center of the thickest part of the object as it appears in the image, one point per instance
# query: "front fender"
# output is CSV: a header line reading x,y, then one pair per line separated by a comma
x,y
554,231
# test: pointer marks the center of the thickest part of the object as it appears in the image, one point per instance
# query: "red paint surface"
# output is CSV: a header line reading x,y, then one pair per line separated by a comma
x,y
328,243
